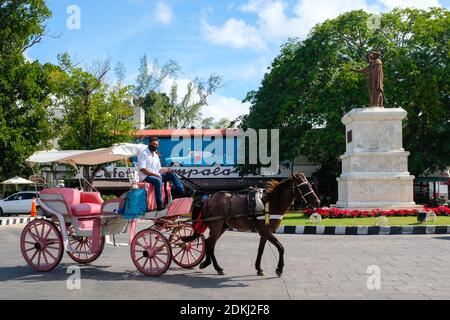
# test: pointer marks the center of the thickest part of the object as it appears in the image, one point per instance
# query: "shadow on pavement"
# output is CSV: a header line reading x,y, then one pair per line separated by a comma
x,y
185,277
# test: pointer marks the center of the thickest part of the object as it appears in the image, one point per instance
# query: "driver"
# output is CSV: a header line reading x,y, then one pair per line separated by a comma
x,y
150,171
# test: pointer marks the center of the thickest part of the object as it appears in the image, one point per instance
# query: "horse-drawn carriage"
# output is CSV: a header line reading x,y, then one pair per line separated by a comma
x,y
80,223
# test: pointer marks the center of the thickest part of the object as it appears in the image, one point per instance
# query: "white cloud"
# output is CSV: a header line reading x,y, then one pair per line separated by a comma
x,y
163,13
235,33
218,106
223,107
419,4
277,20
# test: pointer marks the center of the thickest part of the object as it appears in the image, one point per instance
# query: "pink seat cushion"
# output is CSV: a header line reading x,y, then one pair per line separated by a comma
x,y
86,209
91,197
71,196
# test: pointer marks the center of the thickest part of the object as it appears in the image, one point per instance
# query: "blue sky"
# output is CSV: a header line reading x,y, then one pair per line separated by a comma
x,y
235,39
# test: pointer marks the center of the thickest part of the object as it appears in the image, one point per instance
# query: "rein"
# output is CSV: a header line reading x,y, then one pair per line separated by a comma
x,y
205,190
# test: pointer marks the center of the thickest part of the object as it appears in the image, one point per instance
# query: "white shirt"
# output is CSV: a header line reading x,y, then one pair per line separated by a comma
x,y
149,161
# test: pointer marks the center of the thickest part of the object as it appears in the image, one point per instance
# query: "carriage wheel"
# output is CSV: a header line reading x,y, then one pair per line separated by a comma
x,y
151,252
187,255
41,245
83,245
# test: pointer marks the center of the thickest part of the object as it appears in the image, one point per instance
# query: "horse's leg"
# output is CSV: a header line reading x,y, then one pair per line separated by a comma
x,y
208,247
207,260
280,248
262,244
219,230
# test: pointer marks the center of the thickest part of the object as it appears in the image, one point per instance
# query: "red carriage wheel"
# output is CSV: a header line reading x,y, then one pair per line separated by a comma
x,y
187,255
151,252
41,245
83,246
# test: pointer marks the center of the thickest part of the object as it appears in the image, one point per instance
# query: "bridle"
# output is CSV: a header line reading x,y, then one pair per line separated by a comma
x,y
303,188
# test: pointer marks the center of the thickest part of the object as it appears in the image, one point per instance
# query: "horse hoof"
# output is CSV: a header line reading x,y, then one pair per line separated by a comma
x,y
220,272
279,273
261,273
203,265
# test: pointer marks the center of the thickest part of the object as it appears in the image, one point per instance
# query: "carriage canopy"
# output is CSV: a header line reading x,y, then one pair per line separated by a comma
x,y
116,152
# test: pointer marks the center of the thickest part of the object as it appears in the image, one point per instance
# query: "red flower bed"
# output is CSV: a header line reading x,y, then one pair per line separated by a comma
x,y
340,213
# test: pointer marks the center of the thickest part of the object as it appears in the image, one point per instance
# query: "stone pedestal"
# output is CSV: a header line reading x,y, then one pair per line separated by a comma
x,y
375,165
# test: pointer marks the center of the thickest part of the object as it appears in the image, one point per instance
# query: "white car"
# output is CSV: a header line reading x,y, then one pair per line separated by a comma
x,y
17,203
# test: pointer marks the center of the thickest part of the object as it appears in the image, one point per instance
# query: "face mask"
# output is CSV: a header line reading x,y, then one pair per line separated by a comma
x,y
152,148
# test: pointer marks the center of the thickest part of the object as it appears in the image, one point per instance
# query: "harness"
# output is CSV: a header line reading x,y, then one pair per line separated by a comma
x,y
304,189
252,212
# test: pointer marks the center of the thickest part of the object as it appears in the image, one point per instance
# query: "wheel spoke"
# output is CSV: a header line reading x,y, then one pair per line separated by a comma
x,y
51,255
48,232
45,257
156,264
35,238
42,230
156,257
140,245
178,253
199,251
145,263
193,256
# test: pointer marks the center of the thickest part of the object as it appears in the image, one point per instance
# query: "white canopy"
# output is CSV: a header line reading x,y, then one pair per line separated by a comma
x,y
17,180
120,151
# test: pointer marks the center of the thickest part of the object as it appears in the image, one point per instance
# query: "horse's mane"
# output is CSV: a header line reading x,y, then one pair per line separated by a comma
x,y
274,187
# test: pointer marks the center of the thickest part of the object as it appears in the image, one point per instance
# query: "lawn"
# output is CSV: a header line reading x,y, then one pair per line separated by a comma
x,y
299,219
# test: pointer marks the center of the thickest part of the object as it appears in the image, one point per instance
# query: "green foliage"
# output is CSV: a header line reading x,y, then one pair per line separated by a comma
x,y
310,86
21,25
208,123
164,111
158,110
96,115
25,87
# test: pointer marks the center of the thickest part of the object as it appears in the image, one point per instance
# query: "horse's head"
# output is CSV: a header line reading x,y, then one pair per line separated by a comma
x,y
304,190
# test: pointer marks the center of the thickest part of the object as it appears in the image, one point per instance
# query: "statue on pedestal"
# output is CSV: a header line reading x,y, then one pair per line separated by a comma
x,y
375,78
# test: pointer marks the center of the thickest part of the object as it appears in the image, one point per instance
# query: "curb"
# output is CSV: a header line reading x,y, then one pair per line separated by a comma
x,y
14,220
362,231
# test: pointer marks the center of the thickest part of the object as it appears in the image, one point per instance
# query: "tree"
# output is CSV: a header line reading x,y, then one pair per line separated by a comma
x,y
208,123
158,110
171,111
223,123
310,86
151,77
96,115
186,111
25,87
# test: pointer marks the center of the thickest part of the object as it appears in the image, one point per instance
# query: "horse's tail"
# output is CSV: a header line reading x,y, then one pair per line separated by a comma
x,y
199,226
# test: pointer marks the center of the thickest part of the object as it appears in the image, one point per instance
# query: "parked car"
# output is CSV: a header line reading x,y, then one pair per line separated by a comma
x,y
17,203
198,158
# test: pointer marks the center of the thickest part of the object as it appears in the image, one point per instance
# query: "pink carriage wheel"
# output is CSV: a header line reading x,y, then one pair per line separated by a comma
x,y
41,245
151,252
83,246
187,255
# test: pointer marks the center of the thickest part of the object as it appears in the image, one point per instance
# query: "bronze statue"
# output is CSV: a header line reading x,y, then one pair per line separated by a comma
x,y
375,78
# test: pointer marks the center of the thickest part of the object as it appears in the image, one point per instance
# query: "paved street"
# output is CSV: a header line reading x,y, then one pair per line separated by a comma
x,y
317,267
